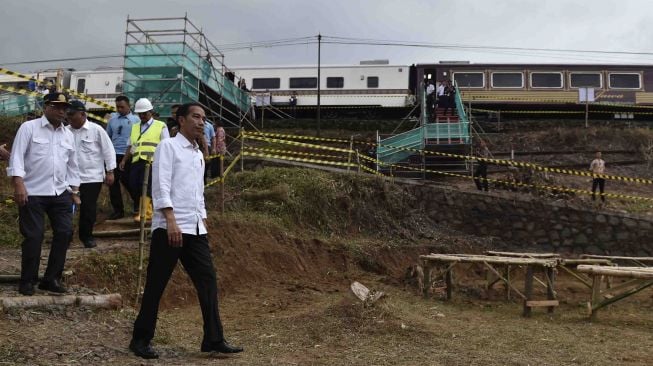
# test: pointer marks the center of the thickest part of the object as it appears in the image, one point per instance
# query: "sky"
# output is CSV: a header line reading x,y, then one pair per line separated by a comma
x,y
45,30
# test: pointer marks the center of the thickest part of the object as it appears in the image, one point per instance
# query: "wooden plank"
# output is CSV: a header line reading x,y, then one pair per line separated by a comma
x,y
623,295
641,259
542,303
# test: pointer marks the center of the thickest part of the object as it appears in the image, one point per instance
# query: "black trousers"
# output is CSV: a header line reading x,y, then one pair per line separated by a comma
x,y
89,193
115,192
195,256
136,176
31,222
480,177
600,182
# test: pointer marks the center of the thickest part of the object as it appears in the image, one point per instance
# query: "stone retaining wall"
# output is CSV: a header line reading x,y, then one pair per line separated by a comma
x,y
529,223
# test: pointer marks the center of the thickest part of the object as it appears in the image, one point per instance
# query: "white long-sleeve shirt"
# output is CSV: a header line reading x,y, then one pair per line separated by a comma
x,y
95,152
44,157
178,182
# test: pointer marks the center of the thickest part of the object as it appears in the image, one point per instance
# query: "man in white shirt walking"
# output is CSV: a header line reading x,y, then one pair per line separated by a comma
x,y
97,160
179,233
597,167
44,174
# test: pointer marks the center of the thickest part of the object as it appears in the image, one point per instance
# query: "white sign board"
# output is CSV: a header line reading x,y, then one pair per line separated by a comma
x,y
262,100
585,95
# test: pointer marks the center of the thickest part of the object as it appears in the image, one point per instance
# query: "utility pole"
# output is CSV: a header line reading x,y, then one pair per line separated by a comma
x,y
319,46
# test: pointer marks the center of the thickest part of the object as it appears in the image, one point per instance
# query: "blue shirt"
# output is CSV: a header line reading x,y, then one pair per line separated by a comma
x,y
209,133
119,128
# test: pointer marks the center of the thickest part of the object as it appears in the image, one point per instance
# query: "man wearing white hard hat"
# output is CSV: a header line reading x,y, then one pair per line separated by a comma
x,y
144,138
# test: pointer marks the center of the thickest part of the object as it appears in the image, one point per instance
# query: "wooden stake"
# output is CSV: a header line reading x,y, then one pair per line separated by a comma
x,y
528,290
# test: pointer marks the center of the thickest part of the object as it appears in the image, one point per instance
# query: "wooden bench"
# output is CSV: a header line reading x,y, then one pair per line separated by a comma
x,y
639,279
490,263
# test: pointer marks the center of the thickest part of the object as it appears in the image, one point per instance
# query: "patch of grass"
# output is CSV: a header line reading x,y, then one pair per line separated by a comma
x,y
326,203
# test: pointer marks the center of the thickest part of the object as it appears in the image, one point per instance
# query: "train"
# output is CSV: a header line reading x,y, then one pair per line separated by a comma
x,y
377,88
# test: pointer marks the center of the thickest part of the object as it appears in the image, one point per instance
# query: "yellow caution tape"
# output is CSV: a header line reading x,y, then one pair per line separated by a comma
x,y
69,91
292,158
274,151
295,143
458,156
297,137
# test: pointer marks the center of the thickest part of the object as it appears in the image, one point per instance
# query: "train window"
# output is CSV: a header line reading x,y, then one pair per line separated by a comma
x,y
469,79
335,82
266,83
507,80
303,83
546,80
624,81
585,80
372,81
81,85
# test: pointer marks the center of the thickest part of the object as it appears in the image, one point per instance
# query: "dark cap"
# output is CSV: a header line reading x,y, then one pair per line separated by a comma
x,y
58,98
77,106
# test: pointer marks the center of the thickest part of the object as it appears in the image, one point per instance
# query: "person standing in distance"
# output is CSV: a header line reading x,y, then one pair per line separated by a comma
x,y
179,233
143,140
597,167
45,176
118,129
95,156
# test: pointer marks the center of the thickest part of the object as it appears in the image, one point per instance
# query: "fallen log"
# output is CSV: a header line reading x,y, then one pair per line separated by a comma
x,y
13,278
109,301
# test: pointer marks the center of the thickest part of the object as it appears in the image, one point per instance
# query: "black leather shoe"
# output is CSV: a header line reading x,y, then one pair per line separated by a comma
x,y
26,288
116,216
142,349
53,286
222,347
90,243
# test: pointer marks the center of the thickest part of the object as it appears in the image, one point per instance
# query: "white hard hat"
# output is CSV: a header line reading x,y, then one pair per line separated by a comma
x,y
143,105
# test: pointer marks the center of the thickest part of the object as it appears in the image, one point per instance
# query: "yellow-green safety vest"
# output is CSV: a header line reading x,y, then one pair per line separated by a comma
x,y
145,143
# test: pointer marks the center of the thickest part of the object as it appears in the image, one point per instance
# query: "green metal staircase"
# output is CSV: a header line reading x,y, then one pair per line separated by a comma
x,y
436,136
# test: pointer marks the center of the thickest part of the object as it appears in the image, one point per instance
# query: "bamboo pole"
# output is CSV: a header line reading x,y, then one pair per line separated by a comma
x,y
221,183
633,272
141,241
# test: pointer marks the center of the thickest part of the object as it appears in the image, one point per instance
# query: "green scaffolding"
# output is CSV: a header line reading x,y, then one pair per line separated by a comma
x,y
18,105
170,61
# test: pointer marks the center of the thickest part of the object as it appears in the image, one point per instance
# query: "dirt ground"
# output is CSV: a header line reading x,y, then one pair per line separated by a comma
x,y
286,299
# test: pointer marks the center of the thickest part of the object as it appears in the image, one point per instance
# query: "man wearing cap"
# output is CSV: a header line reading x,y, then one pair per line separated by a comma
x,y
143,140
45,176
119,127
97,160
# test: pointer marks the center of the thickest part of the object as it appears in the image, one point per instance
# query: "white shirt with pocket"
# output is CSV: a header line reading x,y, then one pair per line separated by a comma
x,y
95,152
178,182
44,157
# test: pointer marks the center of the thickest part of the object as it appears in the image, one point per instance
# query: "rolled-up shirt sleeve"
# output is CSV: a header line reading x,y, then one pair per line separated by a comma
x,y
18,149
72,169
162,176
108,152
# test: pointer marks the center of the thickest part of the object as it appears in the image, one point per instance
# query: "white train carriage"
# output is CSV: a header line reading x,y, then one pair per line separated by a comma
x,y
340,86
103,84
